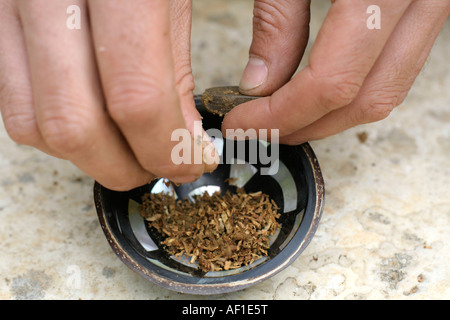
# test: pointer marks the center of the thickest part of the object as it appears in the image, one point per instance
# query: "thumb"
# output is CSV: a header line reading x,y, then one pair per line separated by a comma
x,y
280,35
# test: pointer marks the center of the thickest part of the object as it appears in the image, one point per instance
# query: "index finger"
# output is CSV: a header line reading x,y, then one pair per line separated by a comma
x,y
134,53
343,54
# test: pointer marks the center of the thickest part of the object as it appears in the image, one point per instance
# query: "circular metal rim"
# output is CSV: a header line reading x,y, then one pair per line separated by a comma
x,y
313,212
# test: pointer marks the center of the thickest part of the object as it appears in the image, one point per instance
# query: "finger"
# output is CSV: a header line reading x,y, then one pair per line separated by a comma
x,y
180,34
280,36
181,21
16,102
343,54
67,96
392,76
135,60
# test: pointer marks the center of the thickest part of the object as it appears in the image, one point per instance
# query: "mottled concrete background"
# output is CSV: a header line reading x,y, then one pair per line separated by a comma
x,y
385,229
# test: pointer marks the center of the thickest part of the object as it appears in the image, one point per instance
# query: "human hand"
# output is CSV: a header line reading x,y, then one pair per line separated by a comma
x,y
355,74
108,96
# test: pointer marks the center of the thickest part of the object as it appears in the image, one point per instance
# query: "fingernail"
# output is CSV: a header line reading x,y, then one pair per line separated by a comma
x,y
187,179
210,155
255,74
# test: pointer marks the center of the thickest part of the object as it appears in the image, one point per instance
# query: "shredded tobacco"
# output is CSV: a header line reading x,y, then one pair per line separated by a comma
x,y
220,232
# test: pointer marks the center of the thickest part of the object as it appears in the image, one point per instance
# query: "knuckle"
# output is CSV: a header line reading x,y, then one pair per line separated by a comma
x,y
378,109
345,91
269,16
180,9
20,123
184,79
21,128
66,128
337,90
380,106
430,8
340,91
130,95
66,136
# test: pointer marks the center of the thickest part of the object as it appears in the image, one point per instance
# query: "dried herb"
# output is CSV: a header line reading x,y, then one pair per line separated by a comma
x,y
220,232
221,100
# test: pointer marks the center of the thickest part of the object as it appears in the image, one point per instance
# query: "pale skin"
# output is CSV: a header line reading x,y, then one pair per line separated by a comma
x,y
108,96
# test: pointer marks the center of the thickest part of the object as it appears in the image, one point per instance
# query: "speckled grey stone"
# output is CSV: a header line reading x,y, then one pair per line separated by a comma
x,y
385,227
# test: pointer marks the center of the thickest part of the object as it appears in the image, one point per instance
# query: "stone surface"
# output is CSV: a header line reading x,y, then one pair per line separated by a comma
x,y
385,231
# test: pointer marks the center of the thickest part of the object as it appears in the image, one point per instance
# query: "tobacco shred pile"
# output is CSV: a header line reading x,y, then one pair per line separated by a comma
x,y
220,232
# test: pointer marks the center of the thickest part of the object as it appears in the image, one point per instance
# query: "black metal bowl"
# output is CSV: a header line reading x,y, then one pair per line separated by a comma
x,y
296,186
